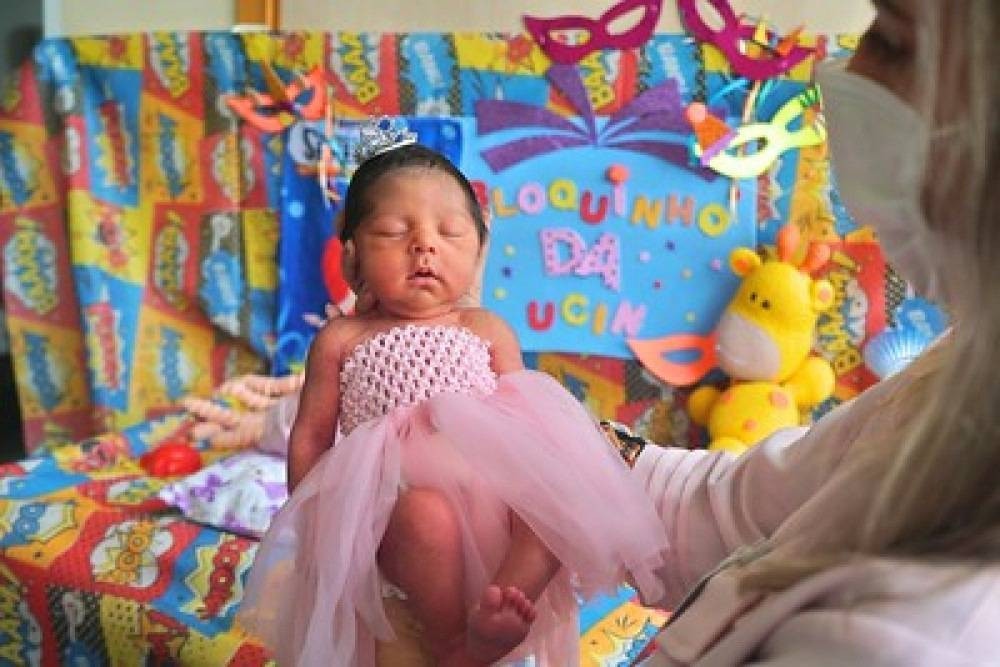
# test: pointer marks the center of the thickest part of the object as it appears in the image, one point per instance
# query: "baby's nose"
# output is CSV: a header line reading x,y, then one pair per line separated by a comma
x,y
423,244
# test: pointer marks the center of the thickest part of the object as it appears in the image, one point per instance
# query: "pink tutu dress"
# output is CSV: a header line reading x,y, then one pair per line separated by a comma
x,y
422,408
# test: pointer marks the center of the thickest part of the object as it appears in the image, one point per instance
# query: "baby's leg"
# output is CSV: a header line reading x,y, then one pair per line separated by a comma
x,y
421,553
506,609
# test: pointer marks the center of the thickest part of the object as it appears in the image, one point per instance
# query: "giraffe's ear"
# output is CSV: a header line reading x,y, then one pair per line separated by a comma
x,y
822,295
743,260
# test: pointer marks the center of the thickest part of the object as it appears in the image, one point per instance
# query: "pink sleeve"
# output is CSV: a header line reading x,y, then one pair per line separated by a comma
x,y
892,614
712,503
872,612
837,637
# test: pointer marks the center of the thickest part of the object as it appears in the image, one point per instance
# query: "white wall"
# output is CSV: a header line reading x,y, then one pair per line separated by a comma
x,y
103,17
817,15
74,17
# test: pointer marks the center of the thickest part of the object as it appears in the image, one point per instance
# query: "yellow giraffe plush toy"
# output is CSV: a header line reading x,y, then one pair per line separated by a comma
x,y
763,343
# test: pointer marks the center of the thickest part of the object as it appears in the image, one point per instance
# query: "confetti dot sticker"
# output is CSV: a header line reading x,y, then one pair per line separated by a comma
x,y
670,245
686,274
645,256
618,173
509,250
507,272
500,293
296,209
657,284
690,316
716,264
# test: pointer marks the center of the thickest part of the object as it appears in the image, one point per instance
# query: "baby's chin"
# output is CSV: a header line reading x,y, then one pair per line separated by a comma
x,y
419,307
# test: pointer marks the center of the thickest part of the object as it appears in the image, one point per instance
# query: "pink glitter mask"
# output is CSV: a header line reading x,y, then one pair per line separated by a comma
x,y
727,39
598,34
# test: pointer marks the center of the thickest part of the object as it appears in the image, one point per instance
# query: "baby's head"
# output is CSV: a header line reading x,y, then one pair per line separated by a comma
x,y
358,204
414,231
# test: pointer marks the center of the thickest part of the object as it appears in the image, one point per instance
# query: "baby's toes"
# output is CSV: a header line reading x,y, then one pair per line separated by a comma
x,y
493,598
521,604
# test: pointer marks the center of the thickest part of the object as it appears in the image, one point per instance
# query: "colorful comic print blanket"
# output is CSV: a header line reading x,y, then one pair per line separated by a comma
x,y
96,569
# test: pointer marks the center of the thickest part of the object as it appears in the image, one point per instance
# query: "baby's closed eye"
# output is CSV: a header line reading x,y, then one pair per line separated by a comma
x,y
390,229
455,228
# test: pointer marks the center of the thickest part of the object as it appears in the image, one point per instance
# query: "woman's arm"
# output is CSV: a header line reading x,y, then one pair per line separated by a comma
x,y
712,503
319,405
871,612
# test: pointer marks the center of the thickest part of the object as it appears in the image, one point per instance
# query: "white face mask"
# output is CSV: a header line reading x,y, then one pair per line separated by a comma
x,y
878,149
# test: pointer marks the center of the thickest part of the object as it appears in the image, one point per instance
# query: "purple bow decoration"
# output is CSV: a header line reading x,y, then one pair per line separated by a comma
x,y
659,109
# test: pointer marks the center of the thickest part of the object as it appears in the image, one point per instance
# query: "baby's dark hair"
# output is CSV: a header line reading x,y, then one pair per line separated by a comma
x,y
412,156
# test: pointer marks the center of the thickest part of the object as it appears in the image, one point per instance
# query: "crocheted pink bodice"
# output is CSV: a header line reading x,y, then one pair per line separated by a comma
x,y
409,364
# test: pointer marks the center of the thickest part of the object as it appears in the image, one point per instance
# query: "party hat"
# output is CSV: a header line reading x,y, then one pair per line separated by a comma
x,y
711,131
789,41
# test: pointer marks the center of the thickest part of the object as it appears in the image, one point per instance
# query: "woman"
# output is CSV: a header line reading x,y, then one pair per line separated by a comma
x,y
873,539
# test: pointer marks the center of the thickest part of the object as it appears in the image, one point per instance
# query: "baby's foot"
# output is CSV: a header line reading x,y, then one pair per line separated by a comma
x,y
499,623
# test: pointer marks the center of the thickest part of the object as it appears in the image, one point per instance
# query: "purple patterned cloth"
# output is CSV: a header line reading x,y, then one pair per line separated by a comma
x,y
239,494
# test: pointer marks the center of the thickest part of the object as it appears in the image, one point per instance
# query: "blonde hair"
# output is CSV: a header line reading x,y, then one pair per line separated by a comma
x,y
932,490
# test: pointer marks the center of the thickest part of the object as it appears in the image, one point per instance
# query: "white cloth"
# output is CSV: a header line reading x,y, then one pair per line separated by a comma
x,y
873,612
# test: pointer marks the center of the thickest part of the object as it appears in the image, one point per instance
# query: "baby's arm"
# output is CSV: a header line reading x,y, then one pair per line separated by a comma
x,y
505,350
319,407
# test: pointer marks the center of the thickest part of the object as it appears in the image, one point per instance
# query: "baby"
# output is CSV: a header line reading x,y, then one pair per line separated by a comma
x,y
450,485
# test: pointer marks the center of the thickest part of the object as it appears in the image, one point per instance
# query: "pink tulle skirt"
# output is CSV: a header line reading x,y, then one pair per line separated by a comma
x,y
315,594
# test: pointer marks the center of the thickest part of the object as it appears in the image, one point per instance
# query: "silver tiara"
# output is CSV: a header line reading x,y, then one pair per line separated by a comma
x,y
380,135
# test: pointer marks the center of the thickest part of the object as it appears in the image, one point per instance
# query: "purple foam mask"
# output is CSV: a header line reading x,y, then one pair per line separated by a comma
x,y
728,38
598,32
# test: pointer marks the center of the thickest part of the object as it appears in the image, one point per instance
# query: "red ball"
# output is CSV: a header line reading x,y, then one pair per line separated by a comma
x,y
170,459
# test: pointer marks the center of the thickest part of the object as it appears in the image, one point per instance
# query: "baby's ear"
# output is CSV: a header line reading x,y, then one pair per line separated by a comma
x,y
349,264
338,222
351,270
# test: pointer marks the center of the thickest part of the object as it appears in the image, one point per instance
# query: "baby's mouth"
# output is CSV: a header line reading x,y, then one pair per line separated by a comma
x,y
423,272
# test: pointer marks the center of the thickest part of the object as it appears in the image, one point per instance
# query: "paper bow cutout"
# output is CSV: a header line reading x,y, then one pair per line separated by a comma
x,y
658,109
305,98
727,39
598,35
776,135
